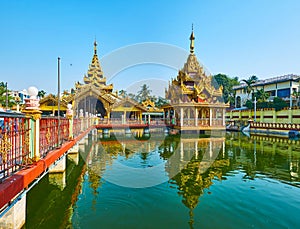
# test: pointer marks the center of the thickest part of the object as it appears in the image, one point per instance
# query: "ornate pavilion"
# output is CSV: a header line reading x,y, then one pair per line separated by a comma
x,y
94,96
195,100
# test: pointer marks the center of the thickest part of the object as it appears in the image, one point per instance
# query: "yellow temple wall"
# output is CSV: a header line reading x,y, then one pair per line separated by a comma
x,y
267,115
51,108
127,109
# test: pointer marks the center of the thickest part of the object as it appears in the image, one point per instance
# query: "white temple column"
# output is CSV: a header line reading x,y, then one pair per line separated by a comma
x,y
223,117
181,116
174,117
210,116
196,116
196,149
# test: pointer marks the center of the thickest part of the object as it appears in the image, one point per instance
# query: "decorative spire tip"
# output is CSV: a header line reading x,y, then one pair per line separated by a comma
x,y
95,46
192,38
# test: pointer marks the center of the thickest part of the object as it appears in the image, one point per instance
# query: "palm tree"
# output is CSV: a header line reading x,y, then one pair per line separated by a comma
x,y
41,94
249,82
262,96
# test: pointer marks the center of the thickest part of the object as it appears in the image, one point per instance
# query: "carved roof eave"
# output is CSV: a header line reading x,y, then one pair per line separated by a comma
x,y
134,103
107,98
47,98
154,109
68,98
88,90
64,99
148,102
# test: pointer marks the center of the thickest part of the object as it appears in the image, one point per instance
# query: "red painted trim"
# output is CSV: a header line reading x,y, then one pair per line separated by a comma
x,y
13,185
120,126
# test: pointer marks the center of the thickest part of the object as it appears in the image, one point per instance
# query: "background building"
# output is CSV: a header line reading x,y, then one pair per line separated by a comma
x,y
285,87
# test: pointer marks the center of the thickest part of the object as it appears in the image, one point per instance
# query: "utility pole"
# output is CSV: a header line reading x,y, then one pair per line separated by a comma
x,y
254,109
58,98
6,97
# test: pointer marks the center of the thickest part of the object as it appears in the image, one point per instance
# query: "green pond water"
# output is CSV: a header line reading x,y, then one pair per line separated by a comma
x,y
229,181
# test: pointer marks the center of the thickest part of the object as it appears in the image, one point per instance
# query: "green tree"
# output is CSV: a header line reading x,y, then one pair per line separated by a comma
x,y
249,82
160,101
262,96
279,103
227,83
11,100
41,94
132,96
144,93
123,93
249,104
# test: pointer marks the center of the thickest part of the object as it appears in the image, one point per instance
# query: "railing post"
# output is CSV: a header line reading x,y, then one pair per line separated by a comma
x,y
86,120
32,110
81,120
70,118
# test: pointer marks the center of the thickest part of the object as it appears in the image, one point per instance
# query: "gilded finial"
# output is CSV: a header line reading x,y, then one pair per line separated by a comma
x,y
192,38
95,47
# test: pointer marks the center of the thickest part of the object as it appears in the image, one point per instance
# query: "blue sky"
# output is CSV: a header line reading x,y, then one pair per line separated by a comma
x,y
236,37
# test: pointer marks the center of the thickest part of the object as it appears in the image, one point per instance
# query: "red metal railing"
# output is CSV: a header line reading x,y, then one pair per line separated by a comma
x,y
76,127
48,135
14,143
17,139
53,132
64,130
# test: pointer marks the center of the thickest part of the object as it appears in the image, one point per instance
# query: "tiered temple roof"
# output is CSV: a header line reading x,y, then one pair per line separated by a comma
x,y
192,83
95,74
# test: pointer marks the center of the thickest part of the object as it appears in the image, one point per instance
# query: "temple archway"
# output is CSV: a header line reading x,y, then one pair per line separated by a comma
x,y
92,105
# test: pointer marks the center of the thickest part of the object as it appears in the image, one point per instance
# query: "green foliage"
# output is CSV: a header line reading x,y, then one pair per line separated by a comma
x,y
249,82
41,94
160,102
132,96
11,100
144,93
262,96
123,93
264,104
227,83
279,104
249,104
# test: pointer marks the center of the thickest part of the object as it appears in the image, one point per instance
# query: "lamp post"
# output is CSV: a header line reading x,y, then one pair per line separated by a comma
x,y
255,109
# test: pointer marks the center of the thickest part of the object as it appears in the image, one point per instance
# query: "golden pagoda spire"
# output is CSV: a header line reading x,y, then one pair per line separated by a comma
x,y
95,74
192,38
95,47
